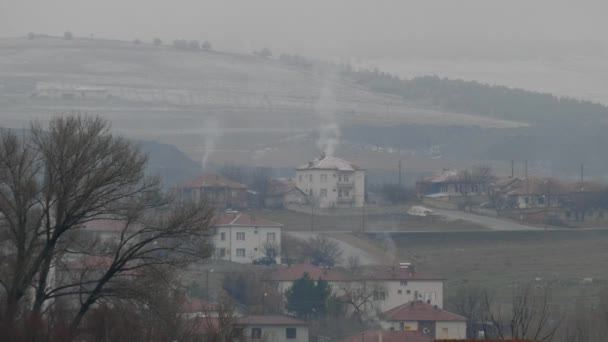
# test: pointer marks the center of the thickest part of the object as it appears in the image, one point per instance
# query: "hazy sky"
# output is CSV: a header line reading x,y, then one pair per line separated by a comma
x,y
320,27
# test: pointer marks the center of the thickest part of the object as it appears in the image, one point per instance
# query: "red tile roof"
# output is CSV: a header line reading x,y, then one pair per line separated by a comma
x,y
420,311
243,219
396,273
295,272
269,320
388,336
105,225
211,181
191,305
90,263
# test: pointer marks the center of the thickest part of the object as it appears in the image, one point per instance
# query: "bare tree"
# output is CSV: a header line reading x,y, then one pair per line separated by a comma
x,y
322,250
56,180
469,301
530,316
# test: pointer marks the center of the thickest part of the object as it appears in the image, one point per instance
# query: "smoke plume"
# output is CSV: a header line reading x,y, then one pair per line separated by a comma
x,y
212,132
329,130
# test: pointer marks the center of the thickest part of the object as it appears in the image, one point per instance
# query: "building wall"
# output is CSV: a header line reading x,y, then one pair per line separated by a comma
x,y
326,186
443,329
253,244
277,333
451,330
398,293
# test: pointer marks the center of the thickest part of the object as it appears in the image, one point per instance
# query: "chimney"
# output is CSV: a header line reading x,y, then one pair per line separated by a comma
x,y
310,164
380,336
323,155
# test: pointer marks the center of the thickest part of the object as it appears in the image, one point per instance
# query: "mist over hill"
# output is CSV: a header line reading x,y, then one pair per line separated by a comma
x,y
278,111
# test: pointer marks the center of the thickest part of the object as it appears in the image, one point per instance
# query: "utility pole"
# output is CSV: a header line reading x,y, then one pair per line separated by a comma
x,y
312,214
512,168
582,173
399,173
526,175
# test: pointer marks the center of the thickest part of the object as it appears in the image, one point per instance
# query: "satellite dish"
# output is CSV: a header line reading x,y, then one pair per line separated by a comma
x,y
426,330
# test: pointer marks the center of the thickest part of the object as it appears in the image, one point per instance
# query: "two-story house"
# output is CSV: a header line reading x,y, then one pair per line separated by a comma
x,y
275,328
220,192
242,238
331,182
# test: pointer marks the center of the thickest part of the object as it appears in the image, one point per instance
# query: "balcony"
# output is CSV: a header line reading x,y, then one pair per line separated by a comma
x,y
346,184
345,199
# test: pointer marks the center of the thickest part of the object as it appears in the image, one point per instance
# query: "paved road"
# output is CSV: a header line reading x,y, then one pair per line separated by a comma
x,y
351,245
486,221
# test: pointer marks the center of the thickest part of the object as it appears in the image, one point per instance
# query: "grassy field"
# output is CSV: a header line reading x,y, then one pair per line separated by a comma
x,y
373,219
498,260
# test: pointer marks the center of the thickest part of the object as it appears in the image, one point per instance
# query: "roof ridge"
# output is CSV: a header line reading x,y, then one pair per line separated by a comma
x,y
236,218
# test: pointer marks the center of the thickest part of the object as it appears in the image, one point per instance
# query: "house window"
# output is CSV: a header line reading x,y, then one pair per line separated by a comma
x,y
346,179
222,252
240,236
399,292
323,193
401,326
290,333
379,295
346,193
323,178
270,237
256,333
240,252
408,292
223,236
404,283
339,193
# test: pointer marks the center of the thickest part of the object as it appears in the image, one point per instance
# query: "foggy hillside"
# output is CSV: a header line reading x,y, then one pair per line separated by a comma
x,y
249,110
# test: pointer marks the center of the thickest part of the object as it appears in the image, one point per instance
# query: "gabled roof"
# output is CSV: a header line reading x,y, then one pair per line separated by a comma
x,y
192,305
329,163
242,220
295,272
269,320
396,273
281,187
211,181
108,225
420,311
388,336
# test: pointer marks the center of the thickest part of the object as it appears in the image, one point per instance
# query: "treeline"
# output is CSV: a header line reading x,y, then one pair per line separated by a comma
x,y
480,99
469,97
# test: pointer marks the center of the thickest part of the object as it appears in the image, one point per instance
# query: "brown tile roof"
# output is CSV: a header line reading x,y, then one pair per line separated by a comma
x,y
90,263
106,225
420,311
191,305
295,272
396,273
211,181
388,336
269,320
281,187
243,220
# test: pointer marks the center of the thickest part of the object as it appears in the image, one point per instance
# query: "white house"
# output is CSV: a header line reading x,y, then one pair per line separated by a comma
x,y
331,182
242,238
273,328
70,91
386,286
427,319
399,285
